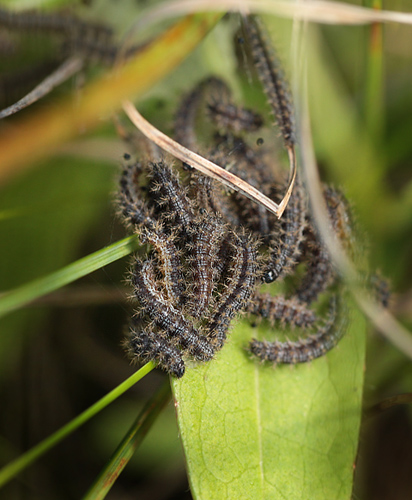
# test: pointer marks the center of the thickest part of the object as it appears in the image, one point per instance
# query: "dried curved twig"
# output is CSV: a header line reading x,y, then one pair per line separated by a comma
x,y
205,166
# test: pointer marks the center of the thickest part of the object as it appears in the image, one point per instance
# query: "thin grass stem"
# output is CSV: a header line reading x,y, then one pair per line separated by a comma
x,y
59,76
129,444
12,300
12,469
382,319
317,11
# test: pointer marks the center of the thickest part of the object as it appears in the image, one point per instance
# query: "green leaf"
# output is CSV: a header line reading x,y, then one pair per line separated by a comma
x,y
256,432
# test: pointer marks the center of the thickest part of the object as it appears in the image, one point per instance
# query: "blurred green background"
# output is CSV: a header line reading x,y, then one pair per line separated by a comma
x,y
61,354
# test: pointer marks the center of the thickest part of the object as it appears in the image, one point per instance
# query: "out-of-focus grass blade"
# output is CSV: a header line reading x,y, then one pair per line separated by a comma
x,y
129,444
35,4
253,431
336,126
12,469
46,129
373,100
24,294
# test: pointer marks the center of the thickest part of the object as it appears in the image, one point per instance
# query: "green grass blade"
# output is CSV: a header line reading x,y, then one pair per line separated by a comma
x,y
11,470
129,444
24,294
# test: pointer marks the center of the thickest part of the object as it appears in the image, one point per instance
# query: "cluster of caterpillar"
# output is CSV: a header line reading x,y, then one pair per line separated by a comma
x,y
199,275
209,249
94,41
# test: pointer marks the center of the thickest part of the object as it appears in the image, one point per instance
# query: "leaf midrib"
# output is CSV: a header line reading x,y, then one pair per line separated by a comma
x,y
259,426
